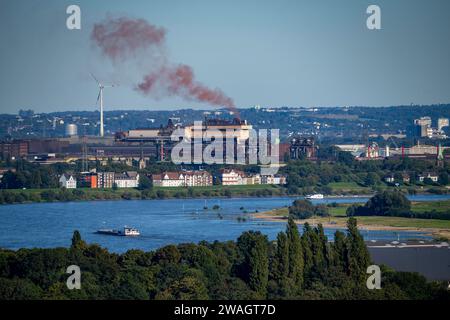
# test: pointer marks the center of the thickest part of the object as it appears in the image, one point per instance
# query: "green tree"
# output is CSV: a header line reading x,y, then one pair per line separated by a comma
x,y
280,266
322,248
321,210
144,182
161,194
167,255
371,179
132,285
188,288
36,180
19,289
302,209
296,262
386,203
13,180
254,267
308,259
358,254
340,254
443,178
77,242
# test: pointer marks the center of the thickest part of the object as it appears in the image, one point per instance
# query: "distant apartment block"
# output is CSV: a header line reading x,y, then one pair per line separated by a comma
x,y
128,179
232,177
265,179
168,179
273,179
88,180
183,179
105,179
254,179
197,178
68,181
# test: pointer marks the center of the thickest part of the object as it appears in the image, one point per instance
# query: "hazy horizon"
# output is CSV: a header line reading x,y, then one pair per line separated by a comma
x,y
120,109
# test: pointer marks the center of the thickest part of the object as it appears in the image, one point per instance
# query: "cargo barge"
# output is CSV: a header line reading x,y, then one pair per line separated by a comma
x,y
126,232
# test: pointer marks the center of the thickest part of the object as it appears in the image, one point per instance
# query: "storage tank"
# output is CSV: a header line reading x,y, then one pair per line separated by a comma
x,y
71,130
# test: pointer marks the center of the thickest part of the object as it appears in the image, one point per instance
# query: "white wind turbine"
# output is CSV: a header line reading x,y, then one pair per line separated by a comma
x,y
101,86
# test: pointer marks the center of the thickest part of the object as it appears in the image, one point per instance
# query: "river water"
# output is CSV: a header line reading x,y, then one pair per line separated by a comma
x,y
161,222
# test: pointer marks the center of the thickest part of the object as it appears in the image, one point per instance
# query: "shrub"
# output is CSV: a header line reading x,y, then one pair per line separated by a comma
x,y
386,203
302,209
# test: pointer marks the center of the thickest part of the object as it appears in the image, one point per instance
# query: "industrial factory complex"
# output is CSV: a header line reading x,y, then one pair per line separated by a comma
x,y
144,144
141,144
139,148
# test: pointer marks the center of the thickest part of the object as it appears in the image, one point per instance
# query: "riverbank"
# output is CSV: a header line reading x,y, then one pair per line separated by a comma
x,y
438,229
18,196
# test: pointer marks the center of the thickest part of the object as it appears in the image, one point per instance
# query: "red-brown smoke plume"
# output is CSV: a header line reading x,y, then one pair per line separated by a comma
x,y
122,39
180,81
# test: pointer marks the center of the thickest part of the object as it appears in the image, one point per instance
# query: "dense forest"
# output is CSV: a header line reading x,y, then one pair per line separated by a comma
x,y
295,266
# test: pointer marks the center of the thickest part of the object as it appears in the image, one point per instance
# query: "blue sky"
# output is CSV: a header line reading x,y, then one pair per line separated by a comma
x,y
270,53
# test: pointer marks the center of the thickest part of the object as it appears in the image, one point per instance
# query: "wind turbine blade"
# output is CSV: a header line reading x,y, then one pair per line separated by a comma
x,y
98,97
95,78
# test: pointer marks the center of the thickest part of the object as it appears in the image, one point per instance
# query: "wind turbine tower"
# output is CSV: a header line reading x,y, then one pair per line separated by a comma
x,y
101,86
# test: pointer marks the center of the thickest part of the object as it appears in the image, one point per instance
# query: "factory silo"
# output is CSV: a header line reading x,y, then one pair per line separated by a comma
x,y
71,130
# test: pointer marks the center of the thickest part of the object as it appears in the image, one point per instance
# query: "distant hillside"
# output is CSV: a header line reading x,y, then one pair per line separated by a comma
x,y
335,124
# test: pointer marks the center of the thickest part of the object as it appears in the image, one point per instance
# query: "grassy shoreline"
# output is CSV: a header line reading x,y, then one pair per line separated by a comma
x,y
19,196
439,229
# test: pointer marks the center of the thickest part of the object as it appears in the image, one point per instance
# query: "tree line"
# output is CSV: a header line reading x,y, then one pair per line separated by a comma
x,y
392,203
295,266
151,193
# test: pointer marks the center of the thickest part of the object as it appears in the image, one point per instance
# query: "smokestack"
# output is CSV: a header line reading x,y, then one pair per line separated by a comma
x,y
102,133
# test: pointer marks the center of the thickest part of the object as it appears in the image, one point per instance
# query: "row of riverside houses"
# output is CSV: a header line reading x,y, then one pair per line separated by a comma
x,y
183,179
406,177
228,177
236,177
94,180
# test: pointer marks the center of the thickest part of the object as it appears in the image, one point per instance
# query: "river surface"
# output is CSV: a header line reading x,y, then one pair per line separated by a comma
x,y
161,222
